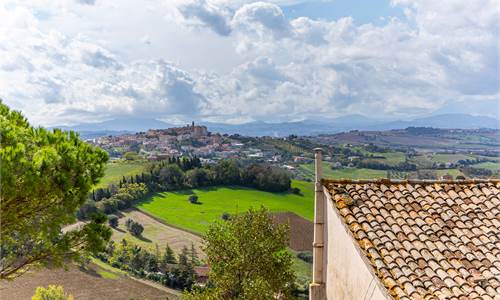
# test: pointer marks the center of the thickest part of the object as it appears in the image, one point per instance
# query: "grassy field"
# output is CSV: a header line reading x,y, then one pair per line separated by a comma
x,y
155,234
174,207
452,158
488,165
452,172
117,169
347,173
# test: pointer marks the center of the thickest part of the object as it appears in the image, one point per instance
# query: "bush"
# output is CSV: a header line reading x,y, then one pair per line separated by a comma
x,y
305,256
135,228
296,191
226,216
193,199
113,221
53,292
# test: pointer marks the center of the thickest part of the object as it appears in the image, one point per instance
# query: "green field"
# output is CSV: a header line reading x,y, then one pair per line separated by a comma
x,y
117,169
346,173
488,165
175,209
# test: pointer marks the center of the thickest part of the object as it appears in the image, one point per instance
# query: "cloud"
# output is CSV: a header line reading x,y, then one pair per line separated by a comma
x,y
263,17
86,2
442,57
213,17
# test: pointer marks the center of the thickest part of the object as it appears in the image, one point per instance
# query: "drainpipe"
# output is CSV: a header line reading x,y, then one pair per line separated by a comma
x,y
317,287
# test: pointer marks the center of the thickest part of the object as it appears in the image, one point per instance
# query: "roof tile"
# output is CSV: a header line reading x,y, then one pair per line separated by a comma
x,y
426,240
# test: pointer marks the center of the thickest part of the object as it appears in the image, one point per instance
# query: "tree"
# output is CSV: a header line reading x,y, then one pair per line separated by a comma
x,y
227,171
194,255
131,156
136,229
169,256
193,199
172,176
45,177
113,221
249,259
52,292
197,177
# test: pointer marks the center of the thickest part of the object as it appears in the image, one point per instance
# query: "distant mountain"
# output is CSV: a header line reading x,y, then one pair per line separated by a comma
x,y
306,127
445,121
122,124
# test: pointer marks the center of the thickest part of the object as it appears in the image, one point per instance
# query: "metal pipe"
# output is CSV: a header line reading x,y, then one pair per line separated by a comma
x,y
317,285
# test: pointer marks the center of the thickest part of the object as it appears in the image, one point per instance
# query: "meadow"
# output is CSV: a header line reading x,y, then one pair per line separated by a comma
x,y
115,170
493,166
175,209
347,173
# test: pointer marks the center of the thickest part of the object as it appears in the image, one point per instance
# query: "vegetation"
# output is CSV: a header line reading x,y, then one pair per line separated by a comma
x,y
116,170
52,292
248,258
46,176
113,221
173,208
134,227
176,174
165,269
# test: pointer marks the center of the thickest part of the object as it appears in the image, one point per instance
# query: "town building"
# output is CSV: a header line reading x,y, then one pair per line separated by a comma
x,y
406,239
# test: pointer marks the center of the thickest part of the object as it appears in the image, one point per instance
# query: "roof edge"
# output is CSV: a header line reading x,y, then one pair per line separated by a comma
x,y
326,181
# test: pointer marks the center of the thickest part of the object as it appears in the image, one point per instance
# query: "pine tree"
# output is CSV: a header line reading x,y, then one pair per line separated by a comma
x,y
194,255
169,256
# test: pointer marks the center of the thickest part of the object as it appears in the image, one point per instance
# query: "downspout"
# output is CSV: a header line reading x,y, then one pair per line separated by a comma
x,y
317,287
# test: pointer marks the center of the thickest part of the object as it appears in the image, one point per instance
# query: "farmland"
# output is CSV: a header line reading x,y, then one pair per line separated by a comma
x,y
350,173
94,282
174,207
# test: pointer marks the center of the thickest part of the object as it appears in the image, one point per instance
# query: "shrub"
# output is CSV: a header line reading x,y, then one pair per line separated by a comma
x,y
53,292
113,221
226,216
296,191
193,199
136,228
305,256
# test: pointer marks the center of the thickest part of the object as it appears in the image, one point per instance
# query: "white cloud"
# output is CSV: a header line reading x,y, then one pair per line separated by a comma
x,y
64,62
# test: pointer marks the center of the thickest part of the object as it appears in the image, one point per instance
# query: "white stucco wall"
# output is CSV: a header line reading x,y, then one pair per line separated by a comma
x,y
348,275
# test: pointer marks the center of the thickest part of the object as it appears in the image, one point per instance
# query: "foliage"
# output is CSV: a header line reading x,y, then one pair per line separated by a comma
x,y
193,199
113,221
266,178
46,176
249,259
144,264
52,292
131,156
169,257
306,256
134,227
198,177
227,172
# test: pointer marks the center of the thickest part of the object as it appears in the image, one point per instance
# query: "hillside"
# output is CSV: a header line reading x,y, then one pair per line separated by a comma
x,y
97,282
175,209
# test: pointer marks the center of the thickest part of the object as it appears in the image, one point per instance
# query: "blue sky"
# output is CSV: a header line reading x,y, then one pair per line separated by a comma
x,y
64,62
362,11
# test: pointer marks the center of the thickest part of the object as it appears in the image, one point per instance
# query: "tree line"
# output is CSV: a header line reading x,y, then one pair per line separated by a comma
x,y
164,268
182,173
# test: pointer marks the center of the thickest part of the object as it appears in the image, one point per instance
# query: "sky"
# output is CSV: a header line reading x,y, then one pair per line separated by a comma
x,y
65,62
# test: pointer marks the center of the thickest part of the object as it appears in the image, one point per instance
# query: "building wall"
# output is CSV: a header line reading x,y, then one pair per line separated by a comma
x,y
348,275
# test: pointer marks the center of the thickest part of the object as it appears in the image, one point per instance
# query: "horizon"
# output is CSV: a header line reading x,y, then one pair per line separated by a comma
x,y
235,62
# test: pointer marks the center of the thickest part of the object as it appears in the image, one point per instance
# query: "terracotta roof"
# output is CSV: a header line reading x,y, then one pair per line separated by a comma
x,y
426,239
